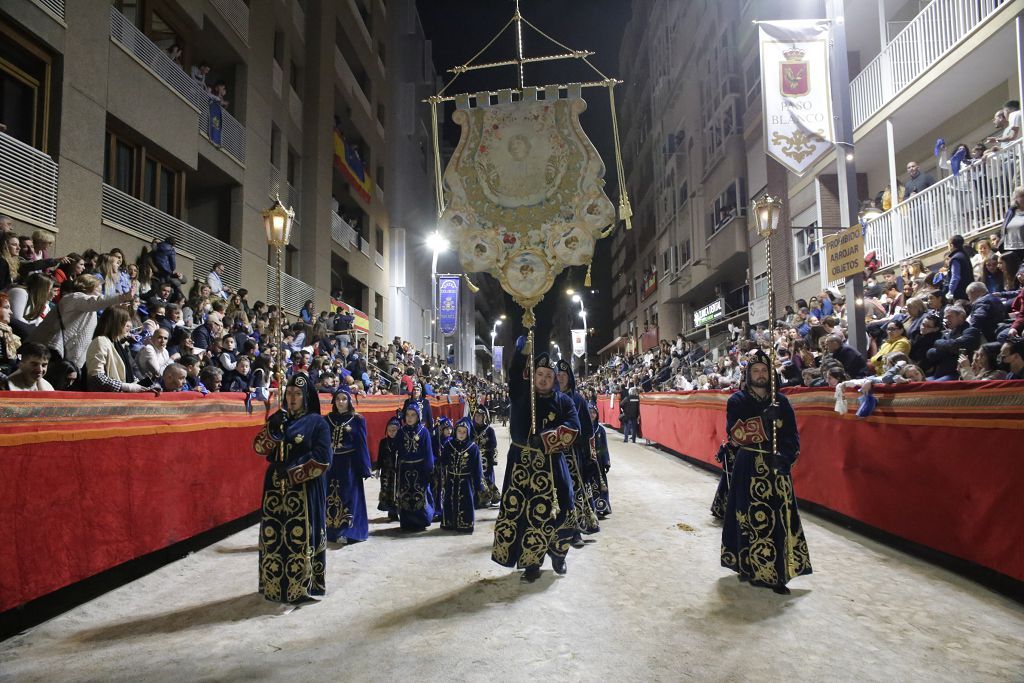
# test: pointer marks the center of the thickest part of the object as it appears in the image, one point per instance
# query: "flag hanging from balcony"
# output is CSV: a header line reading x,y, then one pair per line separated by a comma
x,y
360,321
448,298
215,121
350,164
795,92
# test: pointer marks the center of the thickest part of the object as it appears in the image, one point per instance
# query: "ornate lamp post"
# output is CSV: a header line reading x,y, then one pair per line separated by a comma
x,y
277,222
767,211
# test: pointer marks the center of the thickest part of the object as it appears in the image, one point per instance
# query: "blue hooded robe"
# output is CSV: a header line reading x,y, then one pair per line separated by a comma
x,y
346,498
462,477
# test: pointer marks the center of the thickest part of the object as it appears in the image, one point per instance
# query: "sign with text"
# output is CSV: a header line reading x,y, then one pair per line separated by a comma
x,y
709,314
844,253
448,298
795,92
758,310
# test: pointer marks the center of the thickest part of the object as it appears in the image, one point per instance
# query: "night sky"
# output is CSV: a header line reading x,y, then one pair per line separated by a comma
x,y
459,28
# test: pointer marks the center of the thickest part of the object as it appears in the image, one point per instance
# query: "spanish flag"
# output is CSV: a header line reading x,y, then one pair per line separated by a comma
x,y
347,160
361,322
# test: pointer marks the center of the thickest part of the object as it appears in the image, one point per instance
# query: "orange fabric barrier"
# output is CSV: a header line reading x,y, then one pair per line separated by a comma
x,y
938,464
94,480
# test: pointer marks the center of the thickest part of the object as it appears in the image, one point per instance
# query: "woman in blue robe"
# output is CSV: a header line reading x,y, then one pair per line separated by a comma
x,y
346,500
415,467
387,465
293,533
462,476
443,429
582,457
487,442
536,518
602,502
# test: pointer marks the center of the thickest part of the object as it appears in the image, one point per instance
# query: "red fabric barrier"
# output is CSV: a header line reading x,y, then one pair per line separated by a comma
x,y
94,480
938,465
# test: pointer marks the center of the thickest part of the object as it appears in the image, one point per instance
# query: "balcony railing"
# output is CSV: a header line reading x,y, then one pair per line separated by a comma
x,y
294,292
377,327
236,13
378,259
941,26
364,247
295,107
133,41
28,183
288,193
342,232
976,200
52,7
124,211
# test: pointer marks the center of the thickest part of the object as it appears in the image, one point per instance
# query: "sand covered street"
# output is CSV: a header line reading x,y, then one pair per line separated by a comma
x,y
646,600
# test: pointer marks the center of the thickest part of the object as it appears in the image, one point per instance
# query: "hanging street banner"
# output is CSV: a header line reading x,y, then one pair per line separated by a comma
x,y
448,297
757,310
499,351
579,343
796,92
844,253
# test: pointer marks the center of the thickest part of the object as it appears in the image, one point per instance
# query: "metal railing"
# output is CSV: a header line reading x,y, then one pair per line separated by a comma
x,y
236,13
124,211
378,259
940,26
294,292
54,7
28,183
377,327
364,247
133,41
342,232
288,193
295,107
975,200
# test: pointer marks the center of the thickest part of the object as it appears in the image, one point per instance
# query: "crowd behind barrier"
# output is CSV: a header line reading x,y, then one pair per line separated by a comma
x,y
94,481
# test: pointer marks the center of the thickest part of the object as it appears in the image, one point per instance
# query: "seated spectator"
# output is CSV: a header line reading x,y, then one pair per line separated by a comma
x,y
851,360
930,332
69,329
987,310
982,250
192,365
228,357
9,341
240,378
74,267
213,279
958,338
1012,354
42,244
1016,313
159,296
153,356
35,359
896,342
211,377
203,336
984,366
173,379
30,303
108,360
308,313
911,373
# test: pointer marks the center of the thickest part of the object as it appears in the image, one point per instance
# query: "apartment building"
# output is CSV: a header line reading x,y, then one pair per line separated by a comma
x,y
109,139
683,266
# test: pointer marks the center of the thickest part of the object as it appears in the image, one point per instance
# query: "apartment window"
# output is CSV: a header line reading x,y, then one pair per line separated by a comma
x,y
24,88
275,145
136,170
684,254
684,193
805,250
753,78
668,261
293,76
761,285
121,170
293,168
728,205
279,48
380,241
378,306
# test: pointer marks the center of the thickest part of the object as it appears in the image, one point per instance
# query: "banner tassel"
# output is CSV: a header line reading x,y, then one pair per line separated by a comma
x,y
586,280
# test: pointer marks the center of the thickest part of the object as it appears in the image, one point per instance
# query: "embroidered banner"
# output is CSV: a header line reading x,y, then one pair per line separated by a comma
x,y
579,343
499,352
215,121
796,92
448,298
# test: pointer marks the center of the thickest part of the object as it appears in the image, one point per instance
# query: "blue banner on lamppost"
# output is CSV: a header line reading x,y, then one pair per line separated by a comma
x,y
498,353
448,298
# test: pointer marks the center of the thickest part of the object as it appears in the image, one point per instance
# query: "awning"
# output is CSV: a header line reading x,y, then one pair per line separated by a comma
x,y
615,343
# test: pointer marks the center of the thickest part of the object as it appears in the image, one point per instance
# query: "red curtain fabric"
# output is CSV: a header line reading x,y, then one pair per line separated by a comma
x,y
92,480
940,465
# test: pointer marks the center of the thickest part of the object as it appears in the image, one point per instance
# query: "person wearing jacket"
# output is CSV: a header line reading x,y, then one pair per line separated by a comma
x,y
108,361
987,310
958,338
961,273
629,415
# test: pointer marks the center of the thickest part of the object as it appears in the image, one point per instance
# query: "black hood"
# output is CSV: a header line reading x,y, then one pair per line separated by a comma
x,y
566,367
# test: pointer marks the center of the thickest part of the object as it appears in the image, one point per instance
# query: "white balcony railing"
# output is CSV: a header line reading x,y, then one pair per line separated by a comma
x,y
377,327
124,211
52,7
236,13
940,26
28,183
294,292
342,232
295,107
133,41
378,259
364,247
976,200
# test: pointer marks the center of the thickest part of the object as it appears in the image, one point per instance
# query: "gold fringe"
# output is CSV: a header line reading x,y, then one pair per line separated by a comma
x,y
586,280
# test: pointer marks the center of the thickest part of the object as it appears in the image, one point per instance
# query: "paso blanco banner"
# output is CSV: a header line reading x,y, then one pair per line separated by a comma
x,y
579,343
796,92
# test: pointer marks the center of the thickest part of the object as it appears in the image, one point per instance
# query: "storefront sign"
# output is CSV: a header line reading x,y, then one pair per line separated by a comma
x,y
796,92
844,253
709,314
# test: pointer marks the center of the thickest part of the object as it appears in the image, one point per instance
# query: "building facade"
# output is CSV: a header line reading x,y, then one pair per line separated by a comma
x,y
112,134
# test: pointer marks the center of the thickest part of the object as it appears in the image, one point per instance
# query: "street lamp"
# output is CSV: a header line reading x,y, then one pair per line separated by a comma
x,y
277,222
437,243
